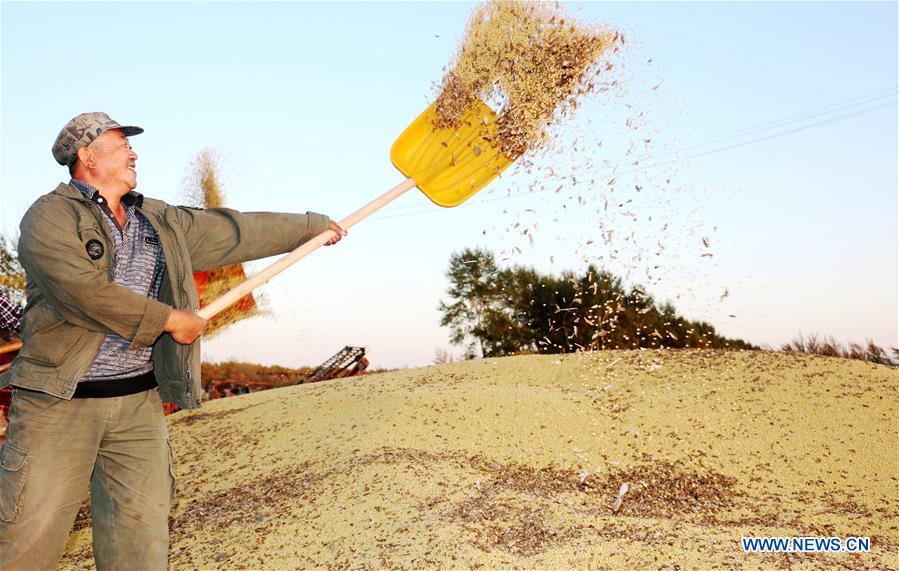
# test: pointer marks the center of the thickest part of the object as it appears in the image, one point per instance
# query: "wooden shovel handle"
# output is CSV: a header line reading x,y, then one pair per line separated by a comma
x,y
307,248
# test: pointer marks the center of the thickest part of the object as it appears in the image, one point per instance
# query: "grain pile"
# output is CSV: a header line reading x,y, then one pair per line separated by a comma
x,y
519,463
205,191
530,58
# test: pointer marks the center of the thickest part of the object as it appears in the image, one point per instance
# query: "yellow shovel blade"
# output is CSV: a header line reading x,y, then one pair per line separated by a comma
x,y
450,164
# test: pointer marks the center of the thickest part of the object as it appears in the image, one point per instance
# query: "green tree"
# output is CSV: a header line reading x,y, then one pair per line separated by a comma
x,y
473,277
507,326
503,312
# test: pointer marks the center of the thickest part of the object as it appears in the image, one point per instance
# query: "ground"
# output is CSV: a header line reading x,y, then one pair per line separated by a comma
x,y
518,463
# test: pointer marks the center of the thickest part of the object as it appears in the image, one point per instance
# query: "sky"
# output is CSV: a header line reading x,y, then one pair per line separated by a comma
x,y
769,129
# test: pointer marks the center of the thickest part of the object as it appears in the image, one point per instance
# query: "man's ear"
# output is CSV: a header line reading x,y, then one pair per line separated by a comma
x,y
86,156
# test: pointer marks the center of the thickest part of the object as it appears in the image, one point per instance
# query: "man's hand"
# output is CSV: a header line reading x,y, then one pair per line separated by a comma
x,y
185,326
339,233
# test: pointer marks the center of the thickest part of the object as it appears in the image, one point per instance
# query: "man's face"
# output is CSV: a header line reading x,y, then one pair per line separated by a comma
x,y
115,162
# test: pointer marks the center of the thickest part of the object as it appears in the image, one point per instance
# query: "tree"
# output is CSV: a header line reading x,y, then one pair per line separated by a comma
x,y
473,277
503,312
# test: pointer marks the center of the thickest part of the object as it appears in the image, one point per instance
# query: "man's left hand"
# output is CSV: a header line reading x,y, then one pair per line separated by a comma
x,y
338,233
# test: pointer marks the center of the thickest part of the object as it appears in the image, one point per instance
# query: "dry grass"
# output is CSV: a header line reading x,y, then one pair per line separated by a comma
x,y
830,347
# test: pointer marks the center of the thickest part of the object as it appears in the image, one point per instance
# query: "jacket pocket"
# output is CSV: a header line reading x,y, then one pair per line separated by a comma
x,y
13,468
48,338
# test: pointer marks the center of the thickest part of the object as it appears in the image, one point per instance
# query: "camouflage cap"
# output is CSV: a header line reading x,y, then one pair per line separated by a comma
x,y
81,132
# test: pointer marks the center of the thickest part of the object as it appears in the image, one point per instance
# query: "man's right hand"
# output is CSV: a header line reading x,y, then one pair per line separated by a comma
x,y
184,326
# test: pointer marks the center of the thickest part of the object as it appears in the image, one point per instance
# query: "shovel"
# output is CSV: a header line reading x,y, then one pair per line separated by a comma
x,y
448,165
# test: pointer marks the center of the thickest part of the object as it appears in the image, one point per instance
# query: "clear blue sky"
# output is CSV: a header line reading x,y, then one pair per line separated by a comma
x,y
303,100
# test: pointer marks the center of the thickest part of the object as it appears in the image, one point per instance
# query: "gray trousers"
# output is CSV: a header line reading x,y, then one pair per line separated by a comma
x,y
54,449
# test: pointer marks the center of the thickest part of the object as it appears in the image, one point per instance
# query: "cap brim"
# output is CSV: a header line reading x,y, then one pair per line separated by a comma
x,y
130,130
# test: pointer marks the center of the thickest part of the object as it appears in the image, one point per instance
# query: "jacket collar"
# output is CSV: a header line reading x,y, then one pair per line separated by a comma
x,y
69,190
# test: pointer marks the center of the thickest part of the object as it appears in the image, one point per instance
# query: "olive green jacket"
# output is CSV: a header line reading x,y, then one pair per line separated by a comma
x,y
73,302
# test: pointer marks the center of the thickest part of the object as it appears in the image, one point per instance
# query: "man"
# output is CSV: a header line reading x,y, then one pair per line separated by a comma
x,y
110,332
